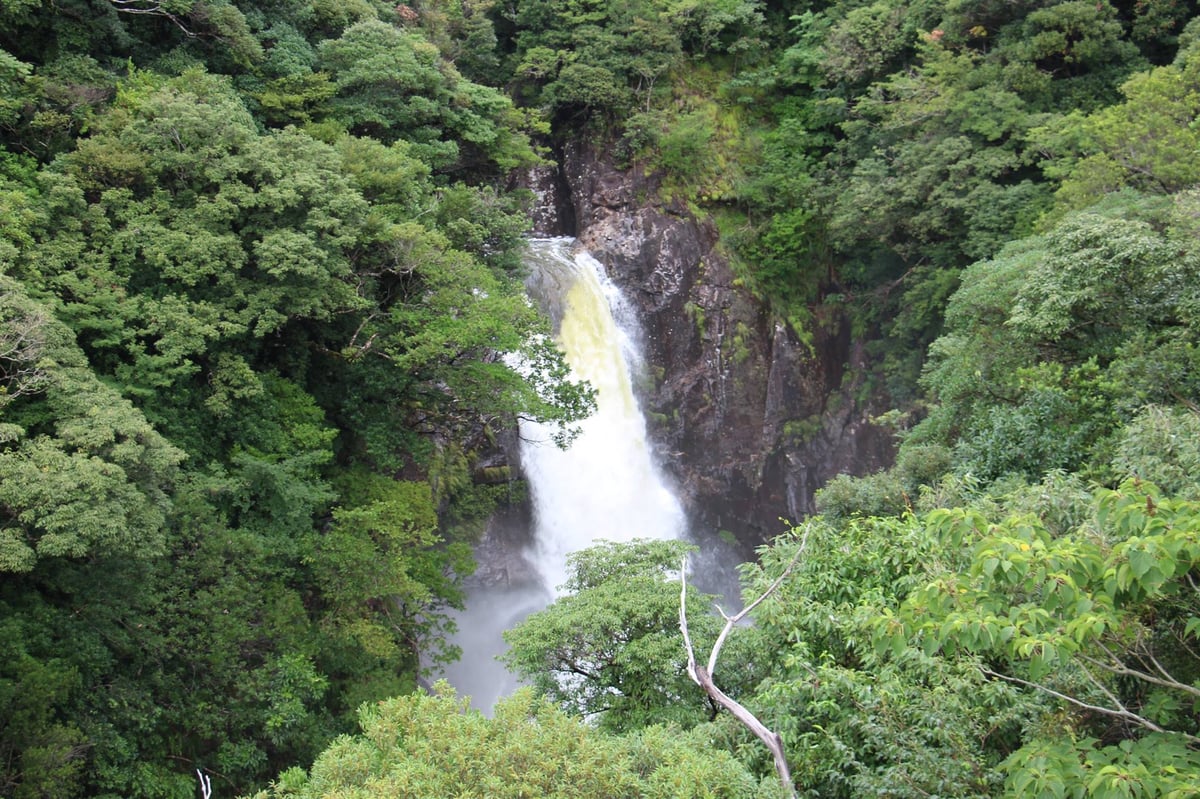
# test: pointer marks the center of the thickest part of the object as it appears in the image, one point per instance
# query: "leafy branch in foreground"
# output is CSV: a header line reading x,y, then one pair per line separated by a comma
x,y
1105,618
427,746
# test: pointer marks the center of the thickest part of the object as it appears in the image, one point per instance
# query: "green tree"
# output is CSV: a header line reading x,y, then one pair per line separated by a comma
x,y
857,720
427,746
603,58
611,649
1098,617
84,478
901,143
1102,303
392,84
83,473
1145,142
387,574
185,282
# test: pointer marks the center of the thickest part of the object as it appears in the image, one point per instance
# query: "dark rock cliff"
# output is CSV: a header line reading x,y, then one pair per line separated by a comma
x,y
749,420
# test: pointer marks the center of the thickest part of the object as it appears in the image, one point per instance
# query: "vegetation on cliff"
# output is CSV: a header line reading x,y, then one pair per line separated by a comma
x,y
1000,197
257,263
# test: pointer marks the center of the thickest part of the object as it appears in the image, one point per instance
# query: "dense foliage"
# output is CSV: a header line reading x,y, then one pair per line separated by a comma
x,y
611,650
423,746
255,280
257,268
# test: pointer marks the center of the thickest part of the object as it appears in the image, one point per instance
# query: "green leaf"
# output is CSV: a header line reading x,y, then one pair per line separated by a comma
x,y
1192,628
1140,561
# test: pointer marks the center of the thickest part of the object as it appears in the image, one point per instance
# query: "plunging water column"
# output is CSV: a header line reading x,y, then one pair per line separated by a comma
x,y
605,486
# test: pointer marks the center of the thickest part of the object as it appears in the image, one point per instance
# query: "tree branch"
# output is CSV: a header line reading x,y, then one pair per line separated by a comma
x,y
731,621
152,8
22,344
1118,667
1103,689
703,676
1127,715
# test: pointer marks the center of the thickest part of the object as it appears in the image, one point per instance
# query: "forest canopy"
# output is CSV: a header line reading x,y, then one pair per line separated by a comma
x,y
257,279
259,262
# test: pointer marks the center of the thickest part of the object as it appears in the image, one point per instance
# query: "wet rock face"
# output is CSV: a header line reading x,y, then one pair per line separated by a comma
x,y
749,420
552,212
502,559
502,553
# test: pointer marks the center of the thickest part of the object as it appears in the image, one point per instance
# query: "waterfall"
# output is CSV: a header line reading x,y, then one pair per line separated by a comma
x,y
605,486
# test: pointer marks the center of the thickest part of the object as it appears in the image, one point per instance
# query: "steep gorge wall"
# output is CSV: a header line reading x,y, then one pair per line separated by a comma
x,y
750,422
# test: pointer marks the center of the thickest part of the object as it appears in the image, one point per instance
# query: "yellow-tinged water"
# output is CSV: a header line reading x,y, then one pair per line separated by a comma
x,y
590,339
606,486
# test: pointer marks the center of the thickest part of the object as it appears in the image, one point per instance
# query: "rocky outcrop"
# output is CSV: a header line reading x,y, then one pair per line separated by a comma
x,y
552,212
502,551
750,420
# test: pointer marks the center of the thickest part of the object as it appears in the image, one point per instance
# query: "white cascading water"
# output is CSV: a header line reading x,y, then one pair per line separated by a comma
x,y
605,486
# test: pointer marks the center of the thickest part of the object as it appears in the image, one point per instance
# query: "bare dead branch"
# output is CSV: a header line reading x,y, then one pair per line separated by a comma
x,y
731,621
703,676
1119,667
1120,713
205,784
151,8
1166,675
1103,688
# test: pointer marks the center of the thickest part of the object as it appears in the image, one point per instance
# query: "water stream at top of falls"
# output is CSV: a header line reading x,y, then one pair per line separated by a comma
x,y
604,486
